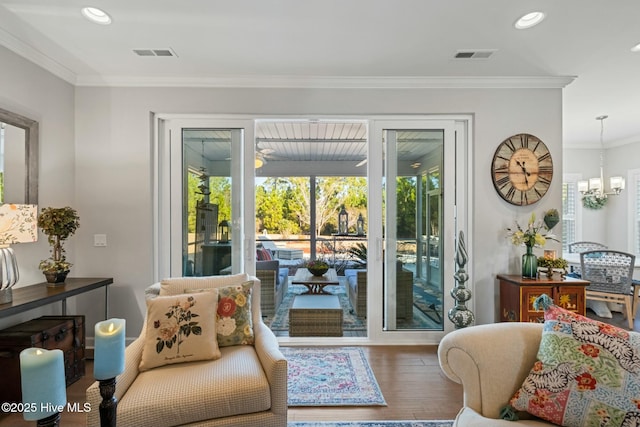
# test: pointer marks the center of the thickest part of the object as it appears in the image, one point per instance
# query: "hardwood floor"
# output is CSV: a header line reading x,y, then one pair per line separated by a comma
x,y
409,377
411,382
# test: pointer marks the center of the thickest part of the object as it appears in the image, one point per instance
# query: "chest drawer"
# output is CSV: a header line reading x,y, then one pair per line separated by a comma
x,y
66,333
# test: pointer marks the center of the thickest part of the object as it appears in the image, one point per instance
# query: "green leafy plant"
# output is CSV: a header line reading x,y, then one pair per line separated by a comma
x,y
316,264
359,252
594,201
552,263
58,224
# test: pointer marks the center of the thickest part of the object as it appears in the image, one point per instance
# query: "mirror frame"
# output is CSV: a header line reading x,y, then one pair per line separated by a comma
x,y
31,129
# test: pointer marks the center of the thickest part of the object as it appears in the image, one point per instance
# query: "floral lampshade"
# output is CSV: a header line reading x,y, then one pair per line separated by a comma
x,y
18,224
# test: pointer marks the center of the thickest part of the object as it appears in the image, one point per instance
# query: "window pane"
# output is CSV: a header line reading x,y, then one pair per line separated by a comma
x,y
568,214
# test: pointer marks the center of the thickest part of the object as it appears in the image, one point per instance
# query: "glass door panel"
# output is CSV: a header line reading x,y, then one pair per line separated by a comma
x,y
207,226
412,216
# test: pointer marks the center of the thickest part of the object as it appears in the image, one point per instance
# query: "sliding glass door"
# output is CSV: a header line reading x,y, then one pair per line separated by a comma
x,y
224,185
415,195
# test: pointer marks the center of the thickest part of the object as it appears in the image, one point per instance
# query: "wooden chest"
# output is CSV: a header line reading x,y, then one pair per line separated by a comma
x,y
66,333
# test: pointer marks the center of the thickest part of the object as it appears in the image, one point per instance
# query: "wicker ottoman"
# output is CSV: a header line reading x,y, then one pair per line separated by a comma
x,y
315,316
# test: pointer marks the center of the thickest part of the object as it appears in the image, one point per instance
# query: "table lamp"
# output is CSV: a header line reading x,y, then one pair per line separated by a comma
x,y
18,224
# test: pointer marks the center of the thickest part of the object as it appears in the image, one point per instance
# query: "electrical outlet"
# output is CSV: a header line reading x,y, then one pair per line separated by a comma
x,y
100,240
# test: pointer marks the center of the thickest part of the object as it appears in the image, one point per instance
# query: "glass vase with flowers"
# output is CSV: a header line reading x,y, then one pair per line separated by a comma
x,y
535,234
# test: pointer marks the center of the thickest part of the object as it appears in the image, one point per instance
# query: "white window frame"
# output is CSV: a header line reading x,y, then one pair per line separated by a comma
x,y
633,181
573,178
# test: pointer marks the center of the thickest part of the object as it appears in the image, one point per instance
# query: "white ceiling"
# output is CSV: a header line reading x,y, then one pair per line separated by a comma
x,y
359,43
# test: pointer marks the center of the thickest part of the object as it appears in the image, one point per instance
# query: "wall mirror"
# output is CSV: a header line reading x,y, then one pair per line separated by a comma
x,y
18,158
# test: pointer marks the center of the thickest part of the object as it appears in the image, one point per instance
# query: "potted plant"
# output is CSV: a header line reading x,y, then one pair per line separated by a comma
x,y
317,267
58,224
549,264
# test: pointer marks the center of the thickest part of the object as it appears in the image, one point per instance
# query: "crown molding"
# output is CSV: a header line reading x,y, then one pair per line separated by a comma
x,y
23,49
306,82
333,82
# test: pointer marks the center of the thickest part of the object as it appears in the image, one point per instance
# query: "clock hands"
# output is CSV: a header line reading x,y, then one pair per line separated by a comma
x,y
524,170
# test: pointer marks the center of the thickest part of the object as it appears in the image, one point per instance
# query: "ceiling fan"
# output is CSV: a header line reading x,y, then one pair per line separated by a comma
x,y
262,154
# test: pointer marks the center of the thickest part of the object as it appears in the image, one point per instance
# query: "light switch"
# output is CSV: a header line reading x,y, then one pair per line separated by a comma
x,y
100,240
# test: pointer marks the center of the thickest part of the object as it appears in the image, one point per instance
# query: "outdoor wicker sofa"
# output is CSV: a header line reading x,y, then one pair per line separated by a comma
x,y
357,284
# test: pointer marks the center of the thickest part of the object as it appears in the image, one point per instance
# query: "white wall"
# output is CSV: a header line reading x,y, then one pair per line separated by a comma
x,y
586,162
100,162
29,90
114,169
618,161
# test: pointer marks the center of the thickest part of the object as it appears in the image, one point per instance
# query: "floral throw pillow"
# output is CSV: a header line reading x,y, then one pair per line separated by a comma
x,y
587,373
233,315
180,328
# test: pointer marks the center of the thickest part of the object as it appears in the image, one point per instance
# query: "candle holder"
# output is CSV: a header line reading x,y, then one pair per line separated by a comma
x,y
50,421
109,404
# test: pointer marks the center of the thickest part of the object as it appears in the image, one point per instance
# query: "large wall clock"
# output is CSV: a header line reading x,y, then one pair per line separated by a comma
x,y
522,169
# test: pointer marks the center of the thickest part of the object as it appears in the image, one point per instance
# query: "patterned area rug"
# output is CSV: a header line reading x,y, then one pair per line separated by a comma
x,y
435,423
428,299
331,377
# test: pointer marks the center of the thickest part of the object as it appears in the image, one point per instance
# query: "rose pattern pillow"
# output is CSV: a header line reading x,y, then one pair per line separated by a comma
x,y
180,328
587,373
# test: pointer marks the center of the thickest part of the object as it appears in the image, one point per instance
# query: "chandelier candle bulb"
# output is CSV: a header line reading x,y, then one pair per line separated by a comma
x,y
109,349
583,186
44,390
616,183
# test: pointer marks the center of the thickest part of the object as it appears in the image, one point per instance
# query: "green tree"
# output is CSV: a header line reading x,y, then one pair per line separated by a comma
x,y
220,188
406,207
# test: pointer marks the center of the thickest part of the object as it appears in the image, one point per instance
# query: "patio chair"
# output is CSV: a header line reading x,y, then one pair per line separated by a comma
x,y
610,273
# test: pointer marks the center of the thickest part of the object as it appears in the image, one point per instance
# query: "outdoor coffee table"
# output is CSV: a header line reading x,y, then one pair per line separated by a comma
x,y
315,284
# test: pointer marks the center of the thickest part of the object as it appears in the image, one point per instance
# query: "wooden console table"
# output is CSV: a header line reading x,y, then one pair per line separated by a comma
x,y
33,296
518,294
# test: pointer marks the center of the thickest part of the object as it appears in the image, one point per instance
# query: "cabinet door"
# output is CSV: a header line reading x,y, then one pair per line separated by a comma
x,y
571,298
528,294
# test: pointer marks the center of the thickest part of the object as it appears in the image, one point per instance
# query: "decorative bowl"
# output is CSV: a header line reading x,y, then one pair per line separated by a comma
x,y
318,271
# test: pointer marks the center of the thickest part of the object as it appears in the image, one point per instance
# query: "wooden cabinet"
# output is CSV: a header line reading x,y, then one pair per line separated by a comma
x,y
518,294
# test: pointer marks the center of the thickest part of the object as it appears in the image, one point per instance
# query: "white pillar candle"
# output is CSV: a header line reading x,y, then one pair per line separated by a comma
x,y
108,360
44,389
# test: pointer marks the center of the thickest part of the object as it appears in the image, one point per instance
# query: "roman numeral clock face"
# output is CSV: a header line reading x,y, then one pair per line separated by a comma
x,y
522,169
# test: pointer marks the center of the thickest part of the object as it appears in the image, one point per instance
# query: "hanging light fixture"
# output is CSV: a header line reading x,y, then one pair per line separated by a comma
x,y
259,161
593,194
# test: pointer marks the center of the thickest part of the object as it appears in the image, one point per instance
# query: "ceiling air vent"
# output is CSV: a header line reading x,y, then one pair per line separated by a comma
x,y
154,52
474,54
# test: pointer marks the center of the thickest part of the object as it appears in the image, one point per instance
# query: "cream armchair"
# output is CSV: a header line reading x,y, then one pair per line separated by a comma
x,y
247,386
491,362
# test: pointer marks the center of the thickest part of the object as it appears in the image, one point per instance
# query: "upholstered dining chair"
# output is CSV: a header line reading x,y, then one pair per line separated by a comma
x,y
577,247
610,273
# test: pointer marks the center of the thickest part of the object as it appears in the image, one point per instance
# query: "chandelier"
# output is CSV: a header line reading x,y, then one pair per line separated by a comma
x,y
594,195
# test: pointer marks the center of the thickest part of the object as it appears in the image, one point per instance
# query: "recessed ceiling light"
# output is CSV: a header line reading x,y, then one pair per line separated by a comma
x,y
529,20
96,15
636,48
